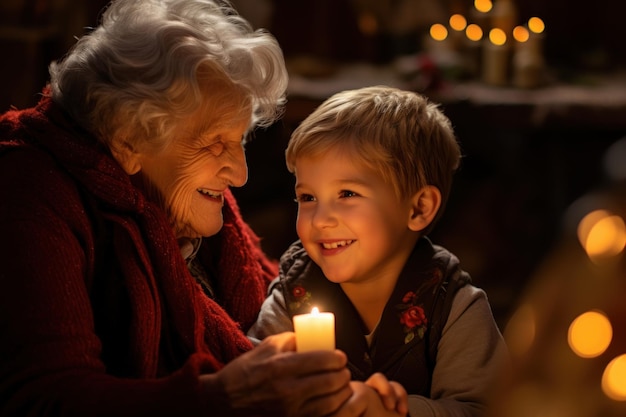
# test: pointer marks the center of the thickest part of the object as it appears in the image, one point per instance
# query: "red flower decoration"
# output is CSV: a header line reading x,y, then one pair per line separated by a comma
x,y
299,291
413,317
408,297
436,276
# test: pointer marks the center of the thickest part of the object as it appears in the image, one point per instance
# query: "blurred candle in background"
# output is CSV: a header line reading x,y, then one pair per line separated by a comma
x,y
528,61
479,14
567,338
458,23
504,16
496,57
437,43
536,28
472,51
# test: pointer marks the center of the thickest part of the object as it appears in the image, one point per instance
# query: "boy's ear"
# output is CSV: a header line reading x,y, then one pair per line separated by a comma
x,y
424,207
127,157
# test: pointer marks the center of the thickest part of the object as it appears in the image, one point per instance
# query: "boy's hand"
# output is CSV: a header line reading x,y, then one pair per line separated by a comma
x,y
367,402
392,394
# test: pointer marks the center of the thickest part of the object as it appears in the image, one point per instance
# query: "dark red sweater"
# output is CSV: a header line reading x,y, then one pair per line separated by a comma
x,y
99,315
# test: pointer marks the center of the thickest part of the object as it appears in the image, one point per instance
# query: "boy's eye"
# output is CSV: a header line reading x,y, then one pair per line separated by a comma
x,y
347,193
303,198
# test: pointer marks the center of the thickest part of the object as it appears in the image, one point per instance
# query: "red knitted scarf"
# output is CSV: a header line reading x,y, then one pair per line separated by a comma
x,y
167,302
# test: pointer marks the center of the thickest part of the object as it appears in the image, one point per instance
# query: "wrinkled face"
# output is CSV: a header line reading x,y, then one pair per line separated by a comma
x,y
350,221
190,176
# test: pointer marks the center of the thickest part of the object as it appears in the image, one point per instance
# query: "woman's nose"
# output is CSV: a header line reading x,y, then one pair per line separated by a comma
x,y
235,169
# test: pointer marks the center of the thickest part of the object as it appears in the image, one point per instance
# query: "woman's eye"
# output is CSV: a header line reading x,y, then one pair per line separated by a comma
x,y
303,198
216,148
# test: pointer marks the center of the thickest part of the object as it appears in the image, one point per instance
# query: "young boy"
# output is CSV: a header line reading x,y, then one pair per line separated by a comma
x,y
373,170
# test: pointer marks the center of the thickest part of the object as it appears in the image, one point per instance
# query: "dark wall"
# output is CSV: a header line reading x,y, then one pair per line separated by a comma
x,y
516,179
579,34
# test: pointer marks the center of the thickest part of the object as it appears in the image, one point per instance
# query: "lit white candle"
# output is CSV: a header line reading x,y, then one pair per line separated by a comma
x,y
528,64
458,23
315,331
473,49
536,28
496,56
438,41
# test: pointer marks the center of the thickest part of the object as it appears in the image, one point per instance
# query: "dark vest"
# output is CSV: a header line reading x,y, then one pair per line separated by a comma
x,y
404,345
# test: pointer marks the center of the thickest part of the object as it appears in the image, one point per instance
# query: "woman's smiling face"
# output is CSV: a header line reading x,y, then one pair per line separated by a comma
x,y
189,177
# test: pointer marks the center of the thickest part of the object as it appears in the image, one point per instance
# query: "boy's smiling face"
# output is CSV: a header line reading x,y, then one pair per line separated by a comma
x,y
350,221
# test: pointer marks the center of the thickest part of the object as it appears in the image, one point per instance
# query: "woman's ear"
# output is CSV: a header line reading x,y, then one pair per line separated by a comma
x,y
424,207
127,157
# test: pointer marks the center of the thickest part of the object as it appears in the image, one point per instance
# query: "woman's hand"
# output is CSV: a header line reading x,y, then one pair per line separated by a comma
x,y
273,380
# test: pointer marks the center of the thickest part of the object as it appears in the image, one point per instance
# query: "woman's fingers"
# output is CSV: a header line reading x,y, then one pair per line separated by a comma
x,y
275,379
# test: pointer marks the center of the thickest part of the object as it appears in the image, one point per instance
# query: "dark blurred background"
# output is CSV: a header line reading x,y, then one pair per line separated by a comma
x,y
529,151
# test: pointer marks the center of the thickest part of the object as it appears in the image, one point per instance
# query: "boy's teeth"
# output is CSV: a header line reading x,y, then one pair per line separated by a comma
x,y
335,245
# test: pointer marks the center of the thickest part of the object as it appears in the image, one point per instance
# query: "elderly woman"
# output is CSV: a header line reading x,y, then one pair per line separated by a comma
x,y
128,277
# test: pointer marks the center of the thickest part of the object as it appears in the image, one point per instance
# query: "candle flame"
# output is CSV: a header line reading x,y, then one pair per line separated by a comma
x,y
315,310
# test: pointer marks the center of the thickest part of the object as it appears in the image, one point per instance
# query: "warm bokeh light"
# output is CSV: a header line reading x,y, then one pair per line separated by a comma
x,y
614,379
520,330
438,32
520,34
368,25
602,234
497,36
474,32
458,22
614,158
536,25
590,334
483,5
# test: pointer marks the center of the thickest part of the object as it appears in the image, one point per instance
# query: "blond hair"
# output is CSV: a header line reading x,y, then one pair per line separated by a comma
x,y
399,134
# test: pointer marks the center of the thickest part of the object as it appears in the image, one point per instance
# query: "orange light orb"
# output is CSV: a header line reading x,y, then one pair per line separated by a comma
x,y
458,22
474,32
536,25
521,34
497,36
438,32
483,5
